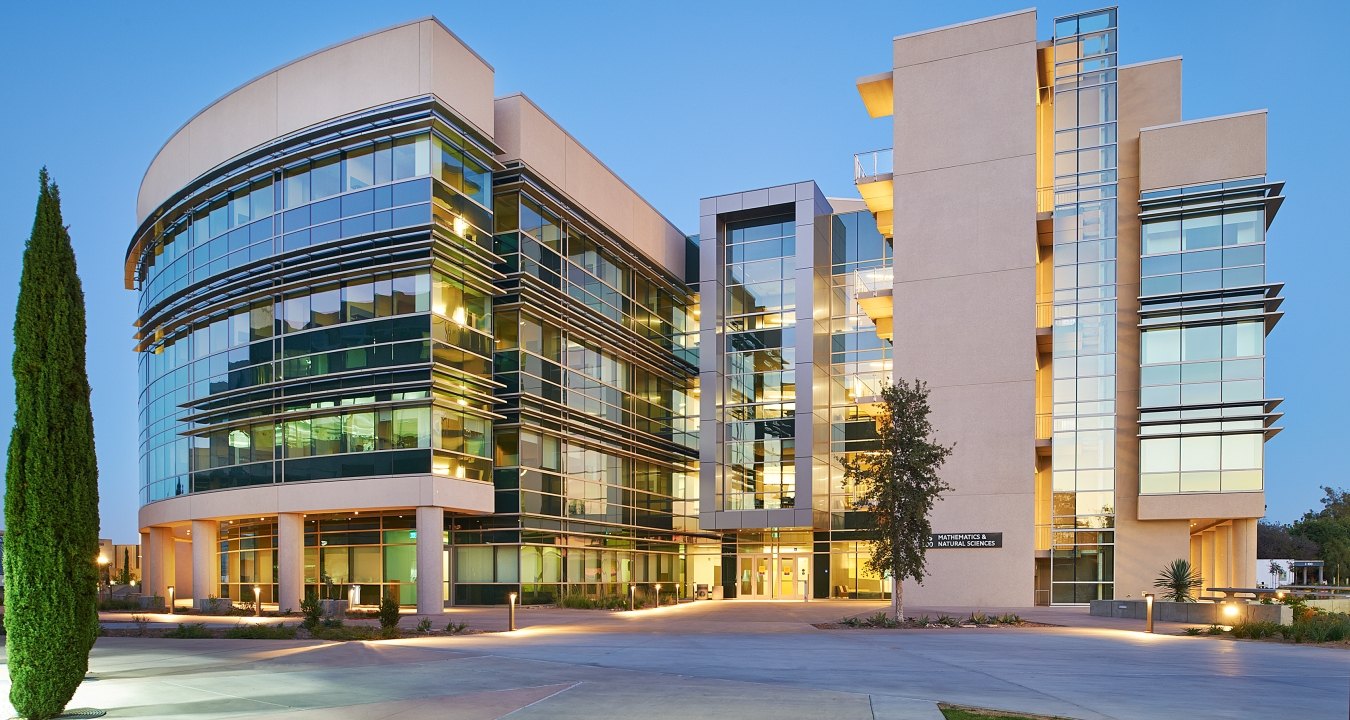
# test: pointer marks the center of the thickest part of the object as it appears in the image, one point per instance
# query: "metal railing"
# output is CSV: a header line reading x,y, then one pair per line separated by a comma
x,y
1045,426
870,165
1045,314
874,280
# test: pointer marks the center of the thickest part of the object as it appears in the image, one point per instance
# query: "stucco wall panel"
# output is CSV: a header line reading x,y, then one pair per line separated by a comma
x,y
1205,150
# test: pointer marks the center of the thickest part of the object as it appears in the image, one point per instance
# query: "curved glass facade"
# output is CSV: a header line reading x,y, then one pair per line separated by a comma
x,y
322,310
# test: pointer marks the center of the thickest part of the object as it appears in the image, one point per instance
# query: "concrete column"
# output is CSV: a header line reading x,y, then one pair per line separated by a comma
x,y
430,559
142,559
205,566
1207,559
159,562
290,560
1244,553
1223,556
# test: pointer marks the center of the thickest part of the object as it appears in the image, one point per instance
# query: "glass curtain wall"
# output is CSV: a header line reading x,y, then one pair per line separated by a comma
x,y
593,459
760,401
1083,442
860,367
1202,343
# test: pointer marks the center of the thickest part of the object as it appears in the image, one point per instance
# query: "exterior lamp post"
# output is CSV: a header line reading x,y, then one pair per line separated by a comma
x,y
257,600
658,595
170,599
511,612
1148,612
632,597
102,575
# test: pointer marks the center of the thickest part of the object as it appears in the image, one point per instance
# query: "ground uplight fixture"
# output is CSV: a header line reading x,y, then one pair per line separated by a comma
x,y
511,612
257,600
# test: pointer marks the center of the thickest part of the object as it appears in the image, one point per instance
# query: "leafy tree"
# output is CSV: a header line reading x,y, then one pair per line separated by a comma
x,y
51,491
897,485
1178,580
1277,541
1329,529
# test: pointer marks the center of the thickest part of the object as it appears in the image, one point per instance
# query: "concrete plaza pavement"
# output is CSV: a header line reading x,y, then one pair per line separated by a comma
x,y
711,660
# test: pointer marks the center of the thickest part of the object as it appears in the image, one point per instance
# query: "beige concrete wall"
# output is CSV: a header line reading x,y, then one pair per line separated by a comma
x,y
1149,94
1204,150
374,493
411,60
965,253
526,133
1185,506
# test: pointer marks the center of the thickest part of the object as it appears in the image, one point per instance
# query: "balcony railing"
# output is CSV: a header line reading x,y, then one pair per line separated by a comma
x,y
870,165
1045,426
874,280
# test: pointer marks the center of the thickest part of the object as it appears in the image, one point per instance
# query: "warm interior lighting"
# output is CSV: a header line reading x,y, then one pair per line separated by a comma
x,y
459,226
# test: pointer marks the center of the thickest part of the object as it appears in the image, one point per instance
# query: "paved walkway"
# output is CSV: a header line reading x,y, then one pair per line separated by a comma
x,y
743,660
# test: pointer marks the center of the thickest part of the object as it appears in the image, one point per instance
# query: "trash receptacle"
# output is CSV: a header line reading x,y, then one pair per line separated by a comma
x,y
701,592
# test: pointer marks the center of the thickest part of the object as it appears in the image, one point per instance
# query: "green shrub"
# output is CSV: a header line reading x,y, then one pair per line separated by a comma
x,y
329,623
118,604
948,620
189,631
388,612
1318,627
923,621
342,633
261,632
1214,629
850,622
1256,630
979,619
457,628
312,612
577,601
1193,631
424,625
1009,619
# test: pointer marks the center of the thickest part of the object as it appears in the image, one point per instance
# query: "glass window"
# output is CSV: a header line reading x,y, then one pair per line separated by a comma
x,y
411,157
1201,231
260,199
325,177
1245,339
295,187
325,307
1162,237
1200,453
295,313
360,432
1201,343
1242,227
358,300
239,207
383,162
360,168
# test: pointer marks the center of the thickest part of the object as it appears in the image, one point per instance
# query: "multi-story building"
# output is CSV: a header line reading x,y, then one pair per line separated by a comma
x,y
1079,275
399,336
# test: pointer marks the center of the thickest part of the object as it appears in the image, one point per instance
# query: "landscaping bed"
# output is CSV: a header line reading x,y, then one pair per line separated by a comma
x,y
961,712
332,631
883,621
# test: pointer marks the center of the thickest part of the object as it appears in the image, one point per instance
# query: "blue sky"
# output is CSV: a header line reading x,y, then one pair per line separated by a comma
x,y
683,100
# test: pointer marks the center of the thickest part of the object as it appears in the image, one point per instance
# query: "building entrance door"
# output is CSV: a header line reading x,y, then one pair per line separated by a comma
x,y
765,577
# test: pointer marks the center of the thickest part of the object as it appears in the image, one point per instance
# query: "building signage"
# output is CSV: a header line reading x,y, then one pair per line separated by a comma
x,y
966,540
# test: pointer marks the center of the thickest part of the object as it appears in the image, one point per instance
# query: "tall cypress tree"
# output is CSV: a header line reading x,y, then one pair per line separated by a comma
x,y
51,482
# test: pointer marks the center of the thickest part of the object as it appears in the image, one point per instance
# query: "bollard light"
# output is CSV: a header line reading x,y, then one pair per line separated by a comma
x,y
658,594
257,600
170,599
1148,612
511,612
632,597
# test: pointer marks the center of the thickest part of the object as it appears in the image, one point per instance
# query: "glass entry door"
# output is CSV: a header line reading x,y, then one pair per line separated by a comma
x,y
765,577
